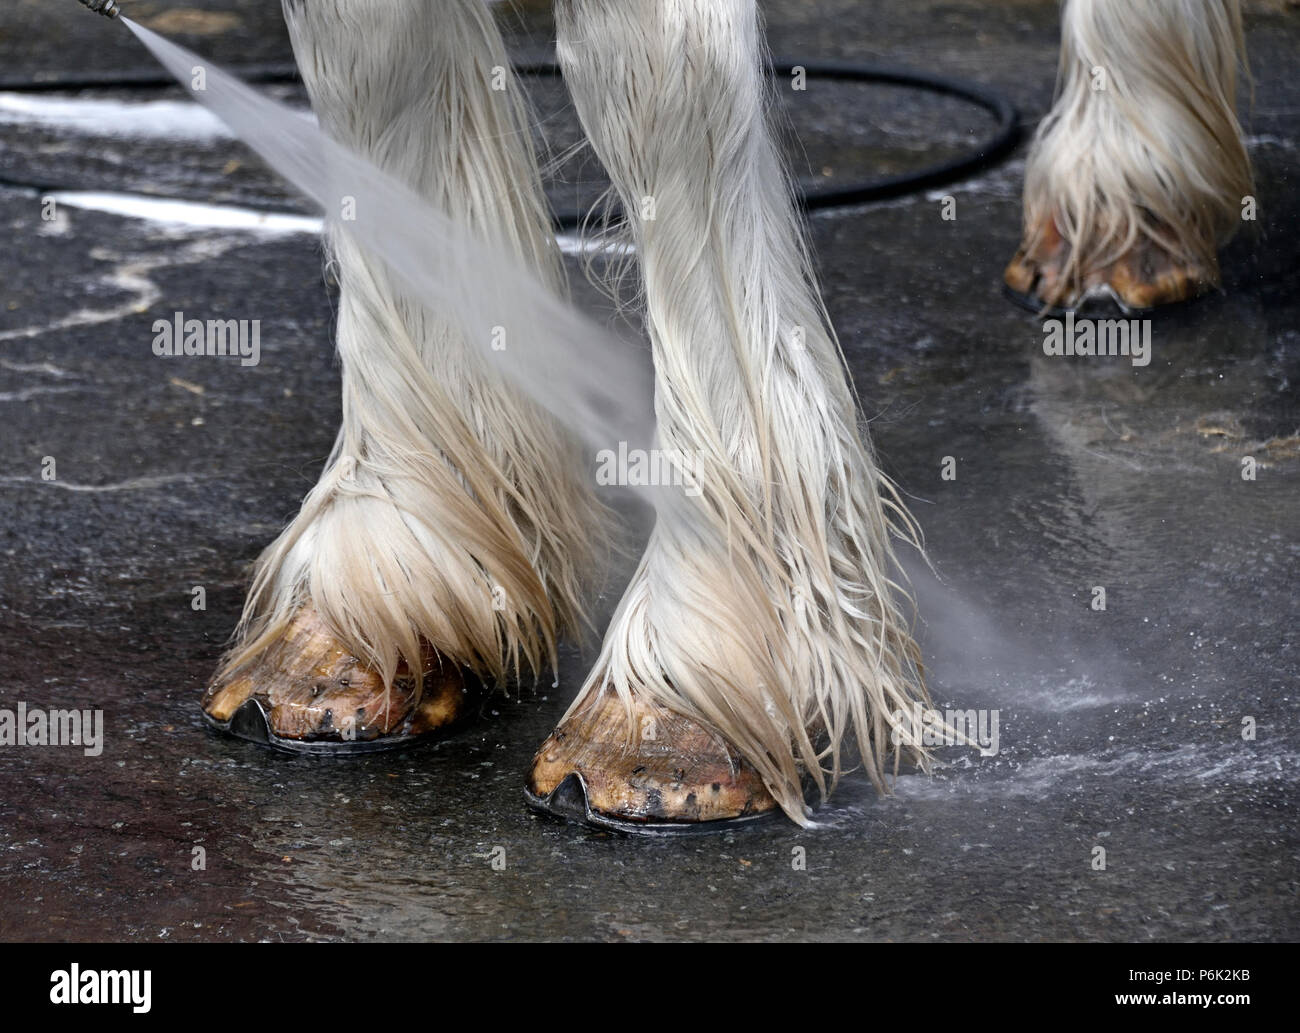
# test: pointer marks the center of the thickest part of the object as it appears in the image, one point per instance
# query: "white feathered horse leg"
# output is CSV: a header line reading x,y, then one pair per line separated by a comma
x,y
451,527
761,629
1139,173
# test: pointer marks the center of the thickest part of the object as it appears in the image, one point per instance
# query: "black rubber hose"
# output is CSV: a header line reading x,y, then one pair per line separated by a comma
x,y
998,143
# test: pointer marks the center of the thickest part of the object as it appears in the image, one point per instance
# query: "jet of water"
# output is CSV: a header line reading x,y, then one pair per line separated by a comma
x,y
597,385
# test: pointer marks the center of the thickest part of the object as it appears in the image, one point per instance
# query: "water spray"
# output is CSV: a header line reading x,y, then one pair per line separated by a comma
x,y
587,376
108,8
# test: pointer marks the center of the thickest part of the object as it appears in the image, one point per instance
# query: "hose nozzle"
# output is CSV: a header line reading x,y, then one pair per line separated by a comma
x,y
108,8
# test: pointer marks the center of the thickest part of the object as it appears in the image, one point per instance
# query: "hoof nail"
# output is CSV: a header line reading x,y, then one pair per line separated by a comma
x,y
569,799
250,722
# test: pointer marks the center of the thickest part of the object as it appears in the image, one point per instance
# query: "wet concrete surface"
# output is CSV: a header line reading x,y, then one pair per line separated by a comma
x,y
1119,729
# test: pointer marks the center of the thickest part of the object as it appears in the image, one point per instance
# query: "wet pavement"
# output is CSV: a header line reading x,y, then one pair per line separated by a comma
x,y
1120,729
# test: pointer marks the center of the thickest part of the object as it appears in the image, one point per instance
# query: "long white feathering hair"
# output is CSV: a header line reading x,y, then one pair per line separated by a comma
x,y
767,608
452,510
1142,142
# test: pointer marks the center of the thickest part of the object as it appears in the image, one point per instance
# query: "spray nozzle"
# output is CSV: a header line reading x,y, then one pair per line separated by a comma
x,y
108,8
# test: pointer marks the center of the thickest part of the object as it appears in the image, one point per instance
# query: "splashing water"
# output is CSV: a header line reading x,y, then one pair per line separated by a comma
x,y
597,385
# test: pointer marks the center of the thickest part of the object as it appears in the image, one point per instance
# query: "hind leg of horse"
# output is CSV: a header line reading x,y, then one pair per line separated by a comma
x,y
1139,172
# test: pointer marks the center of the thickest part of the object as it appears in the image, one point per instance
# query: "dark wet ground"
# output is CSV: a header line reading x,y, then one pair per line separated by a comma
x,y
1119,729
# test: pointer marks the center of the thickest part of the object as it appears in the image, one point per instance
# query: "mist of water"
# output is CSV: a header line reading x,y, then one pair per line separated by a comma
x,y
599,386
